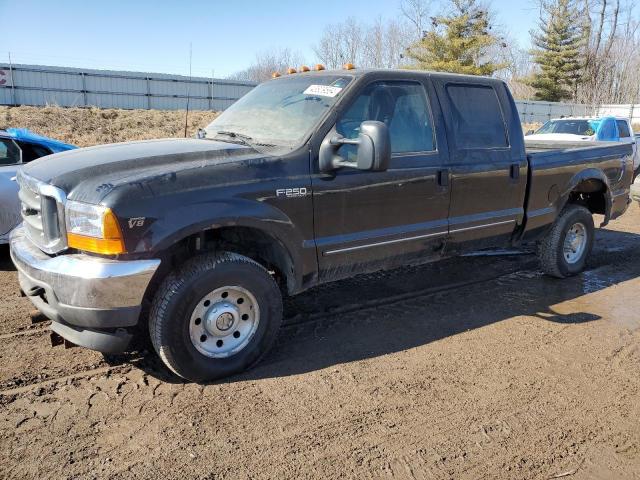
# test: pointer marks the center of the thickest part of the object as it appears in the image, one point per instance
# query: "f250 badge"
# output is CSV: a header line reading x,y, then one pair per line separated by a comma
x,y
136,222
292,192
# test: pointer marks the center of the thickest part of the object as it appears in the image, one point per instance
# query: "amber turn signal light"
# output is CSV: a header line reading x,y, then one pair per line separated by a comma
x,y
112,242
348,66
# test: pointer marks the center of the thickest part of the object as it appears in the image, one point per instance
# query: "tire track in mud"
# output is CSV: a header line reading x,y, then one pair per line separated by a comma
x,y
315,311
302,319
29,382
25,332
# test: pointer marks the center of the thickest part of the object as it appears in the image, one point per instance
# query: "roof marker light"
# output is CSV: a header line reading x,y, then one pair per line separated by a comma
x,y
291,71
304,68
319,67
275,75
348,66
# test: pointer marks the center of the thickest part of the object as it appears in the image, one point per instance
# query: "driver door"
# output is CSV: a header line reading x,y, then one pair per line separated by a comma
x,y
365,221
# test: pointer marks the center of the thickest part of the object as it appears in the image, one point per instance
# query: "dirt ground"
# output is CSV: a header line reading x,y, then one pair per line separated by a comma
x,y
477,367
84,127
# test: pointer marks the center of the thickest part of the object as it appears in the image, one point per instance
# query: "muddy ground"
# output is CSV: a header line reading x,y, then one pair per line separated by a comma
x,y
478,367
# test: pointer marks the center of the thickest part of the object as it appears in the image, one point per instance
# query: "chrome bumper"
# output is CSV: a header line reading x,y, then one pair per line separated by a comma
x,y
83,293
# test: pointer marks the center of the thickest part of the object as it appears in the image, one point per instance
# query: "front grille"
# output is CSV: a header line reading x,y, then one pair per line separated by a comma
x,y
43,213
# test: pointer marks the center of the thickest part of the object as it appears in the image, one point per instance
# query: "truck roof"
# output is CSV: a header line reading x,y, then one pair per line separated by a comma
x,y
361,72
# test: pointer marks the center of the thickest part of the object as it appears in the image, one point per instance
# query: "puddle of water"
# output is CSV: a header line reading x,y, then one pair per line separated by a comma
x,y
594,280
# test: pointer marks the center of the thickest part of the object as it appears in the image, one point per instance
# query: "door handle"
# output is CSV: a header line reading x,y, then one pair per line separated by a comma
x,y
443,178
514,171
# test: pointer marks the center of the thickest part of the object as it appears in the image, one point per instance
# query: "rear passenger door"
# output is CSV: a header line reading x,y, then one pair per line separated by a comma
x,y
487,162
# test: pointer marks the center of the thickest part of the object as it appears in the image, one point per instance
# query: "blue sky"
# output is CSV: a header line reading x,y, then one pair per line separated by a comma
x,y
154,36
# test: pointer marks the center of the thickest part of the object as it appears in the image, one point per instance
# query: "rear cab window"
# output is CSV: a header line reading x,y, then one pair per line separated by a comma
x,y
477,118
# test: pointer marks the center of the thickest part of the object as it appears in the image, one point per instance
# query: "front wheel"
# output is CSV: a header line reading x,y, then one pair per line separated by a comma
x,y
216,316
565,248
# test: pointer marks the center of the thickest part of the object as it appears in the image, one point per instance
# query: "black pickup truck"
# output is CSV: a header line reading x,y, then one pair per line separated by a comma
x,y
309,178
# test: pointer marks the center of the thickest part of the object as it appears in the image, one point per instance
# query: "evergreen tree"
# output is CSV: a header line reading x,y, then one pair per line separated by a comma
x,y
458,42
558,51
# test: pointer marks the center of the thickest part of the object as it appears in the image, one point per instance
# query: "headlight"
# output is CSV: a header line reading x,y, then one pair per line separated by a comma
x,y
93,228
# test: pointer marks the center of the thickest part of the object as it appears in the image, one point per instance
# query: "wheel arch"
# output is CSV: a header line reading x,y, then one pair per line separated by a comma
x,y
253,241
591,189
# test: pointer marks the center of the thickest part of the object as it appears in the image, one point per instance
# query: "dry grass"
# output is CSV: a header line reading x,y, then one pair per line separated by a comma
x,y
92,126
530,126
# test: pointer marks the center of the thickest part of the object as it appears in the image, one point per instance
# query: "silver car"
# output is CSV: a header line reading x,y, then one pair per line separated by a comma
x,y
17,147
10,161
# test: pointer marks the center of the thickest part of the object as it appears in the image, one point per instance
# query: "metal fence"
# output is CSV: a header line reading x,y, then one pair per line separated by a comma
x,y
540,112
74,87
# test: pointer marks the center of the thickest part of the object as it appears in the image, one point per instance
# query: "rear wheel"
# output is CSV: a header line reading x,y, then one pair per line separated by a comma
x,y
216,316
565,248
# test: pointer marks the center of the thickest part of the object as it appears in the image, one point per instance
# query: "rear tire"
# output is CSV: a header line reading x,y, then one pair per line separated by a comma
x,y
565,248
226,301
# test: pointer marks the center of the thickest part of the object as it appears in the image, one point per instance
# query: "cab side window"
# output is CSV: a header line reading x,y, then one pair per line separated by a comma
x,y
9,152
402,106
623,128
31,151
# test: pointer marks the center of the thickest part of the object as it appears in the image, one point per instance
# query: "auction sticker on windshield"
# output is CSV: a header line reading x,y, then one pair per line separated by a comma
x,y
322,90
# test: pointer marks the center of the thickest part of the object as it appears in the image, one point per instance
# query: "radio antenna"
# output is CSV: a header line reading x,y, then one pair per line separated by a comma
x,y
186,115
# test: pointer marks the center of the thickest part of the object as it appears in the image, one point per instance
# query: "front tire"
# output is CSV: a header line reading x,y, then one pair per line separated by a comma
x,y
565,248
217,315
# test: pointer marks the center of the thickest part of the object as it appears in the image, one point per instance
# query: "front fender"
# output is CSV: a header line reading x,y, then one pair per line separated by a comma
x,y
178,223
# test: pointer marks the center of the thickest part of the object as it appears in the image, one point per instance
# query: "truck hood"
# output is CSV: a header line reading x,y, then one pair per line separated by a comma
x,y
89,174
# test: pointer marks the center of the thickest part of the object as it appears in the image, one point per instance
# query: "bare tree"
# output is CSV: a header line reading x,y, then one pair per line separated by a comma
x,y
341,43
378,45
611,33
267,62
416,13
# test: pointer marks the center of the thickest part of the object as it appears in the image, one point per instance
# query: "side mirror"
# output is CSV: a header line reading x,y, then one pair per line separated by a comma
x,y
374,149
529,132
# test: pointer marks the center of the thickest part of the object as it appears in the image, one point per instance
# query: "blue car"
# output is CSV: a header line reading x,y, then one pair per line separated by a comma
x,y
19,146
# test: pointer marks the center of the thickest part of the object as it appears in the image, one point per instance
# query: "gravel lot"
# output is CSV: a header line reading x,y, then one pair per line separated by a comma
x,y
470,368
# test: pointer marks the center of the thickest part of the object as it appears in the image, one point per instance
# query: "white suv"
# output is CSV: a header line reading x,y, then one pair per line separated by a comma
x,y
583,129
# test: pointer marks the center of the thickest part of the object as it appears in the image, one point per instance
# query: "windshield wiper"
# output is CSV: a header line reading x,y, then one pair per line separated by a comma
x,y
234,134
242,139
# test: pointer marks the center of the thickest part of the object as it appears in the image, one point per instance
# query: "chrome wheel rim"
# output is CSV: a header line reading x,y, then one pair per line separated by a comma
x,y
575,243
224,321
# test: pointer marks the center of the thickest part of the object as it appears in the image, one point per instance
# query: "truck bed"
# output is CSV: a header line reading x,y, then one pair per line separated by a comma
x,y
556,167
536,147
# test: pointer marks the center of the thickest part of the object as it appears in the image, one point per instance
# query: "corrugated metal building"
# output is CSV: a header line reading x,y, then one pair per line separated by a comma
x,y
77,87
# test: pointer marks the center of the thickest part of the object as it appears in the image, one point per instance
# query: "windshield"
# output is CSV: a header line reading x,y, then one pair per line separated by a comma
x,y
278,113
573,127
